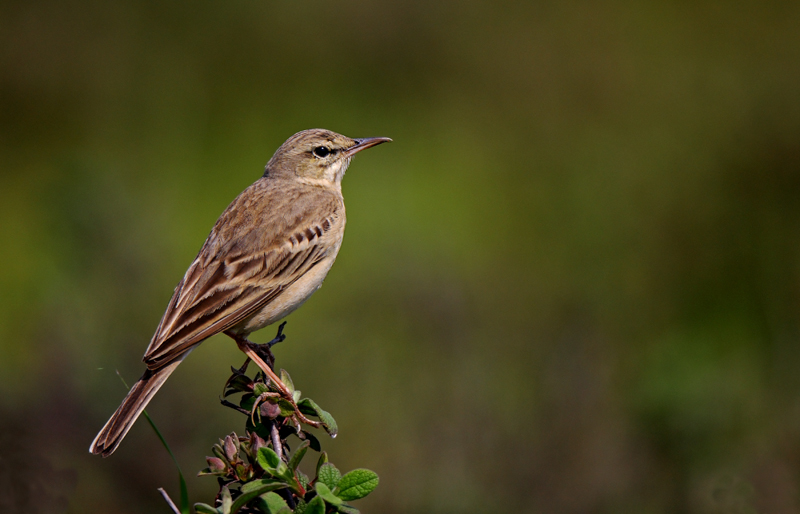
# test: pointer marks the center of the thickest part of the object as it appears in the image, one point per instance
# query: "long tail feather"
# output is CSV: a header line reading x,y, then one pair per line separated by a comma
x,y
132,406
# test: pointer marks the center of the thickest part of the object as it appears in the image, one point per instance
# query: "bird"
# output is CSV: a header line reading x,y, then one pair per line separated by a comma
x,y
266,255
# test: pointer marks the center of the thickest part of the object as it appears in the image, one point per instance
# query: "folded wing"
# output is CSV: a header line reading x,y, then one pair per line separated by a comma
x,y
237,273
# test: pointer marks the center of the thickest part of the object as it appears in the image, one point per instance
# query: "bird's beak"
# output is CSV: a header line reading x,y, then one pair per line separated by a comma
x,y
363,144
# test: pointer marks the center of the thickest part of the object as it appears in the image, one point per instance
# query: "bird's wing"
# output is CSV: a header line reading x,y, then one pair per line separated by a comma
x,y
243,266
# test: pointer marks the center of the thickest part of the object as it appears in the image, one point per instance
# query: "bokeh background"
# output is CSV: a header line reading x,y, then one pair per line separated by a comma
x,y
571,284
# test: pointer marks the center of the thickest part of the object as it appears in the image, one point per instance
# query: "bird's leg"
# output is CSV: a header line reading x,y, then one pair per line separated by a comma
x,y
265,350
268,357
249,349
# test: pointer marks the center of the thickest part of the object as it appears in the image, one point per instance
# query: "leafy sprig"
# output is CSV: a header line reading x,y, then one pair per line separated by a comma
x,y
258,473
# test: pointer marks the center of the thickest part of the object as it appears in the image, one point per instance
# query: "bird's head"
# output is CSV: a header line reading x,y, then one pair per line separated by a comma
x,y
317,156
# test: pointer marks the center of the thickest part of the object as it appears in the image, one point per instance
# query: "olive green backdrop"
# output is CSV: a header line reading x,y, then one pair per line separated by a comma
x,y
571,284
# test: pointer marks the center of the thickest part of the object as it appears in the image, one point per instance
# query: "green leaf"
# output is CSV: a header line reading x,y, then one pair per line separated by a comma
x,y
247,402
227,503
260,388
217,450
237,384
326,494
287,409
314,441
216,467
203,508
323,458
287,380
299,453
262,430
347,509
357,484
302,478
315,506
207,472
305,406
267,458
184,507
272,503
309,407
329,475
300,508
254,489
261,486
269,462
286,430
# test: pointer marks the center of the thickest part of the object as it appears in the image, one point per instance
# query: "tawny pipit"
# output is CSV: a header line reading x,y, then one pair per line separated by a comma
x,y
267,253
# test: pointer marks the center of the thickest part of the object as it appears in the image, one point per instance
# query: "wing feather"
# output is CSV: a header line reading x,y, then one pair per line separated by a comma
x,y
243,266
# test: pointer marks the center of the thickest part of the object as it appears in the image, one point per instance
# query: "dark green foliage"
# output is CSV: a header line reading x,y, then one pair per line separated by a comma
x,y
255,476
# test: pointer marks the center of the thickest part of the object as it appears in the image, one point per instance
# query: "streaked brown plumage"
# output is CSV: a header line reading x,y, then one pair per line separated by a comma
x,y
267,253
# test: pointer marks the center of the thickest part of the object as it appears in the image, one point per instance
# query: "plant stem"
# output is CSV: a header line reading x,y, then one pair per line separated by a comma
x,y
168,500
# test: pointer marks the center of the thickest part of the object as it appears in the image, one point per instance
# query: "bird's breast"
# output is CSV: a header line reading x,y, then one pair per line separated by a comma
x,y
295,294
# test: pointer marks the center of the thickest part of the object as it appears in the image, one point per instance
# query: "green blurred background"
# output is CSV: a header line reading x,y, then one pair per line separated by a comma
x,y
571,284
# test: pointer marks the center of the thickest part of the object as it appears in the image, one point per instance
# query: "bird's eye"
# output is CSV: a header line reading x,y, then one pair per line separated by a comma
x,y
321,151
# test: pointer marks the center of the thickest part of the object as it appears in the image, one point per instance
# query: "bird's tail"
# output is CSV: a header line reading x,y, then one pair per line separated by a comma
x,y
132,406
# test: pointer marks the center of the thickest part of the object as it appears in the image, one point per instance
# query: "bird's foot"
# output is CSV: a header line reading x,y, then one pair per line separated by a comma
x,y
264,350
279,337
262,356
